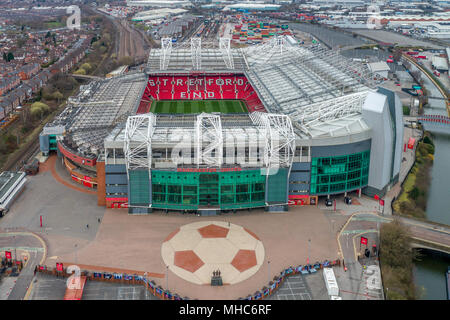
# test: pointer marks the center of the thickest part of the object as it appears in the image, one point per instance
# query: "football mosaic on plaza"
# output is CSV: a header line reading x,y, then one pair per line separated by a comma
x,y
195,250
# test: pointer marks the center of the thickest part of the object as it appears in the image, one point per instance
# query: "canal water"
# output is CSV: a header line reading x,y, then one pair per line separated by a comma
x,y
429,270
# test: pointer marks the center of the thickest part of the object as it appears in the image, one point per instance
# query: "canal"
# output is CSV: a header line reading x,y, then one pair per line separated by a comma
x,y
429,270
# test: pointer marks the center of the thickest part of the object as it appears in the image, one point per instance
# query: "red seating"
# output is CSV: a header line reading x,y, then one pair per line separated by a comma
x,y
179,87
144,107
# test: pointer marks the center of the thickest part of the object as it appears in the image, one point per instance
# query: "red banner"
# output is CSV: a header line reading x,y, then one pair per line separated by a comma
x,y
59,266
381,202
364,241
8,254
376,197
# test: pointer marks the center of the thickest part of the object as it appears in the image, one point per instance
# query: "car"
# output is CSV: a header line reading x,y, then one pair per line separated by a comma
x,y
328,202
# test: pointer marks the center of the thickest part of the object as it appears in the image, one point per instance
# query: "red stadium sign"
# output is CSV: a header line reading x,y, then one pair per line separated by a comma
x,y
364,241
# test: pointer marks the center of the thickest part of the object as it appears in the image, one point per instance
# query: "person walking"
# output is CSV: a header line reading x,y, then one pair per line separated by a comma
x,y
87,226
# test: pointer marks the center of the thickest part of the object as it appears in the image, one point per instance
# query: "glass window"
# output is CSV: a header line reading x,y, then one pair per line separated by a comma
x,y
174,189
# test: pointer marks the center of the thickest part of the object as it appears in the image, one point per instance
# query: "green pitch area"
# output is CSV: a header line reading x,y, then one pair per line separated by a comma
x,y
198,106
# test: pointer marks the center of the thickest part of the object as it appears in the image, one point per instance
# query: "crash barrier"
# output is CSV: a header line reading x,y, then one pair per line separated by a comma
x,y
272,287
162,294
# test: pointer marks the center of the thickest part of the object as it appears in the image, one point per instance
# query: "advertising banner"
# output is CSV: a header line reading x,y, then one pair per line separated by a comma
x,y
364,241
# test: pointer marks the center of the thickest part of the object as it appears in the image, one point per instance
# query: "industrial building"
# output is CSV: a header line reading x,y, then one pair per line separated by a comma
x,y
315,125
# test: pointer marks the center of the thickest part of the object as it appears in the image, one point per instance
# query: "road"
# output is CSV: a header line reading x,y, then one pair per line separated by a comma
x,y
23,244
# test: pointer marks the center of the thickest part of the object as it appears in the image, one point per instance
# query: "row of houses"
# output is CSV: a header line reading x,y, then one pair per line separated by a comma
x,y
11,80
25,91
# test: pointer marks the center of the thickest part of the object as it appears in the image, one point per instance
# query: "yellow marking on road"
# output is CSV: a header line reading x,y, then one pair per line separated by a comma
x,y
28,291
345,226
44,256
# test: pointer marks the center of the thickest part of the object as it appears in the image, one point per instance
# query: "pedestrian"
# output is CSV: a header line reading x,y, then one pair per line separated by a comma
x,y
87,226
98,220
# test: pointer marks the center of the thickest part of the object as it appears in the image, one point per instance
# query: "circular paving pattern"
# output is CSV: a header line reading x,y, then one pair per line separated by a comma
x,y
195,250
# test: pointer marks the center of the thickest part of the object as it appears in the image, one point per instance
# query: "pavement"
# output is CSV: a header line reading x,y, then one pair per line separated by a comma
x,y
293,288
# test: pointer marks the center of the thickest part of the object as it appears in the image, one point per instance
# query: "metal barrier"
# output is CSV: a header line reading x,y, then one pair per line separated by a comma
x,y
162,294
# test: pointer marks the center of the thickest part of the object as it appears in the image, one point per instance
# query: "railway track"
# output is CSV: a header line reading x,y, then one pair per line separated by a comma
x,y
21,159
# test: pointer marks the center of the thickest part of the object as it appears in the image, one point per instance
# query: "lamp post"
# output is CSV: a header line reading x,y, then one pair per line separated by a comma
x,y
146,284
268,269
309,244
167,277
15,249
76,255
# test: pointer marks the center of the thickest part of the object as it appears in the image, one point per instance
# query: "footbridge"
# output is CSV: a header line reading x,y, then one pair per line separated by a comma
x,y
435,123
428,235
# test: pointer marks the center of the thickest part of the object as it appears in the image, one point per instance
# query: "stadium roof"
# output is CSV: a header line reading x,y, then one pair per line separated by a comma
x,y
320,91
97,109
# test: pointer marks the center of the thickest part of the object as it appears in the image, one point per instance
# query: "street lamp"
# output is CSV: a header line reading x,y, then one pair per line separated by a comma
x,y
76,255
167,277
146,284
309,244
15,248
268,269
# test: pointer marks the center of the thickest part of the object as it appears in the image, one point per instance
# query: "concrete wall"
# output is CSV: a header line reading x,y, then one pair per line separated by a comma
x,y
396,113
300,171
376,114
44,143
340,149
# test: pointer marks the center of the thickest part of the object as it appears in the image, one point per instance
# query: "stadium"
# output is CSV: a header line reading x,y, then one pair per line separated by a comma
x,y
209,128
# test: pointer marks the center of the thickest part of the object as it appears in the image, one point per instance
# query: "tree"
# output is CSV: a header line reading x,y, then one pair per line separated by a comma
x,y
10,56
395,245
126,61
414,193
39,109
58,96
80,71
86,67
397,54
